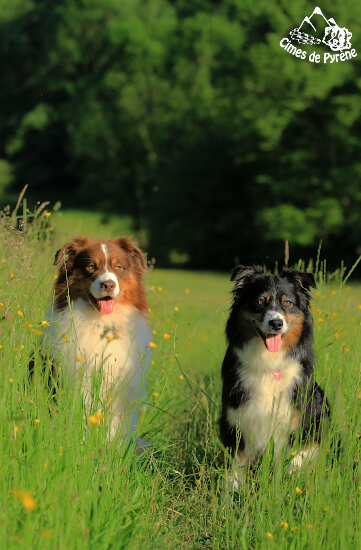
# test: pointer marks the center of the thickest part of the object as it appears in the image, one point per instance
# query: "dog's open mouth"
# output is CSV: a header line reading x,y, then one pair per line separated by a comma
x,y
104,305
272,342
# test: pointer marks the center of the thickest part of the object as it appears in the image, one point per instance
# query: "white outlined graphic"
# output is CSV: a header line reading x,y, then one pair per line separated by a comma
x,y
316,30
337,38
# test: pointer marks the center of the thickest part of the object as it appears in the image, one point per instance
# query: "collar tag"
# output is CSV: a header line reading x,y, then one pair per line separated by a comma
x,y
277,375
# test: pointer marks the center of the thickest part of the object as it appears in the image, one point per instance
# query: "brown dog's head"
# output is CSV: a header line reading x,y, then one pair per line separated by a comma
x,y
106,273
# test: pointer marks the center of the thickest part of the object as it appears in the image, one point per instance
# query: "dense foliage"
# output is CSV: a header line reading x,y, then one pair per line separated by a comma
x,y
190,117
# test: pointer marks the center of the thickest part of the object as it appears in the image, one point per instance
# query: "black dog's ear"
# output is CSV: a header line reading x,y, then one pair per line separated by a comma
x,y
307,280
303,280
242,273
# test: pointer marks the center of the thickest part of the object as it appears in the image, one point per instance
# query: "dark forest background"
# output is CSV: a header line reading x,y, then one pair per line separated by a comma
x,y
190,117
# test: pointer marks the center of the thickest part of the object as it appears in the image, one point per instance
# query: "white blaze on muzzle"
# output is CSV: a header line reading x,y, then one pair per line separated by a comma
x,y
97,289
105,288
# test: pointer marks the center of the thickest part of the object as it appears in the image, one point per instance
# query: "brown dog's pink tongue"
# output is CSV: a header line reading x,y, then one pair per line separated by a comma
x,y
106,306
273,342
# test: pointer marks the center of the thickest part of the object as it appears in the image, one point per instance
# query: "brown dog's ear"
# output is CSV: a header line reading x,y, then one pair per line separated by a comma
x,y
126,244
66,255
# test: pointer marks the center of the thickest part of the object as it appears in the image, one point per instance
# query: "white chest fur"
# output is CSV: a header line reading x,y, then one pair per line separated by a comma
x,y
114,347
268,411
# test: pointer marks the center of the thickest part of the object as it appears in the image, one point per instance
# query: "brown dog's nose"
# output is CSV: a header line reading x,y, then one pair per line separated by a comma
x,y
109,285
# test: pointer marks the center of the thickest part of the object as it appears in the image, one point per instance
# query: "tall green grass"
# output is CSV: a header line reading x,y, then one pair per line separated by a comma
x,y
64,486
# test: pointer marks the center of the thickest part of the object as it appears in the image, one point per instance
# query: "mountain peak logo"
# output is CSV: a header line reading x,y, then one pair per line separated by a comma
x,y
317,30
322,30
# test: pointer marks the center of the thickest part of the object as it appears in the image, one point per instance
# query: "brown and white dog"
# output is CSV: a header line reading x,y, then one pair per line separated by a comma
x,y
99,325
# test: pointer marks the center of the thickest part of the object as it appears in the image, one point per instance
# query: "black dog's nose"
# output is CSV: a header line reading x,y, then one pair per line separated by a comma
x,y
276,324
108,285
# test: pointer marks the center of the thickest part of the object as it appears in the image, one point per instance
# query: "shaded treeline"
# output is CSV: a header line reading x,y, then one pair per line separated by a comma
x,y
190,117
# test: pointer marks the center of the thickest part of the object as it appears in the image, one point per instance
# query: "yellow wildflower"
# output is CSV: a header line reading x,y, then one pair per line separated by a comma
x,y
20,313
45,323
284,525
299,491
176,309
156,394
26,499
100,416
270,537
166,336
93,420
152,345
36,421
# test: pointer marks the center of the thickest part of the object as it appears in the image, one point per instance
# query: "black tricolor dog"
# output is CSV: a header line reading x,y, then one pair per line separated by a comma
x,y
268,383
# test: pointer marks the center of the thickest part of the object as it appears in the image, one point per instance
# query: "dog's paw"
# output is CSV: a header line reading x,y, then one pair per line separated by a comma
x,y
232,485
305,457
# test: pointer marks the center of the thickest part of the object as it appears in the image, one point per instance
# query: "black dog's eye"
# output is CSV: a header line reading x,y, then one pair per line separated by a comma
x,y
261,300
287,303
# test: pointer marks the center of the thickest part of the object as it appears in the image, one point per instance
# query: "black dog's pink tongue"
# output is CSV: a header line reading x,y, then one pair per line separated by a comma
x,y
273,342
106,306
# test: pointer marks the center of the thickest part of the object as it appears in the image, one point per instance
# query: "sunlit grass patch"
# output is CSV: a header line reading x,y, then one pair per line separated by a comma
x,y
63,485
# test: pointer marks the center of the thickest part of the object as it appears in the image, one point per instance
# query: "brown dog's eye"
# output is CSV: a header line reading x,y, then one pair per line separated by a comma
x,y
287,303
119,267
90,267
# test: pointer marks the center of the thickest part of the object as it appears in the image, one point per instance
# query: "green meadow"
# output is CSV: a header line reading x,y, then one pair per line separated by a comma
x,y
63,486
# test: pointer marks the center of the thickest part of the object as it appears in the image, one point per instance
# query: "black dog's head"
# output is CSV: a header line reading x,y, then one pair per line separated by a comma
x,y
272,307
